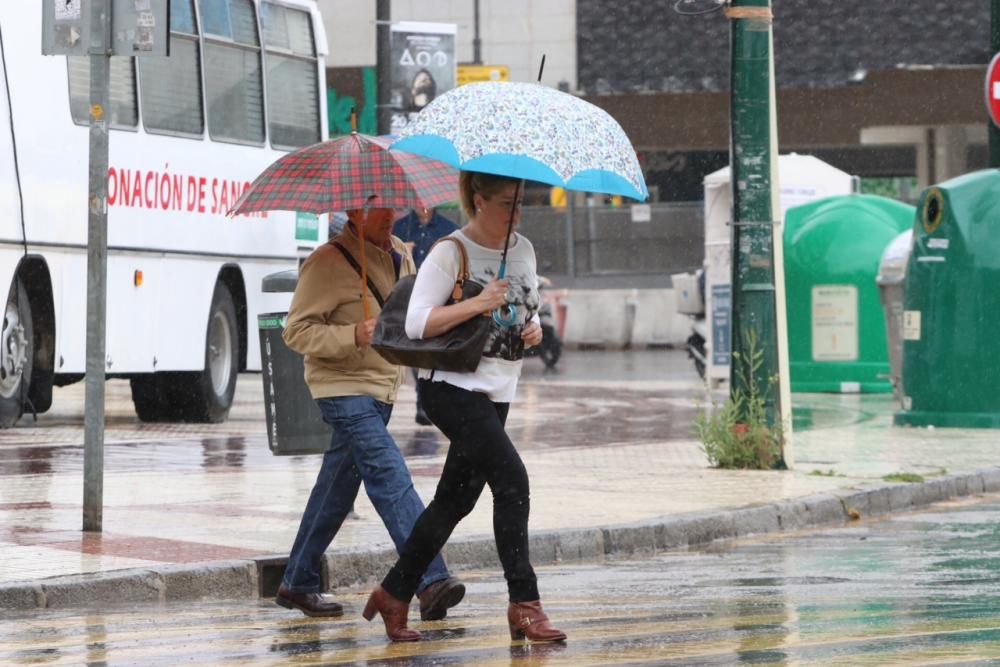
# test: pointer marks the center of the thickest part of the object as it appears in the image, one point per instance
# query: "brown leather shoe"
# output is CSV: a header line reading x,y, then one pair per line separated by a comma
x,y
436,599
526,619
310,604
394,614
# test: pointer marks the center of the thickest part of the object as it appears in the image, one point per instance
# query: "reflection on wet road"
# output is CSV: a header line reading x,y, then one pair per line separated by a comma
x,y
594,398
566,408
919,589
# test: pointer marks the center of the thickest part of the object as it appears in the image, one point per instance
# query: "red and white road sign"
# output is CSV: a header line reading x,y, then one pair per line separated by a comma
x,y
993,89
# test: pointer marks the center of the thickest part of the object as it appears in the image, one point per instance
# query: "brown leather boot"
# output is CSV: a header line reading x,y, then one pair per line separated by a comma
x,y
526,619
394,614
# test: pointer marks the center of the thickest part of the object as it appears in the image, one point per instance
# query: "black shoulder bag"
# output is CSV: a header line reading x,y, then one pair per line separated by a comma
x,y
458,349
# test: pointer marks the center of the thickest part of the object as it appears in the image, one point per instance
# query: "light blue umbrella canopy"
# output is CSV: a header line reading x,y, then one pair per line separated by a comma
x,y
527,131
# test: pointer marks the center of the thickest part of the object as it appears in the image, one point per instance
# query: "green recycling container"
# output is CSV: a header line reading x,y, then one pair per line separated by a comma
x,y
836,329
951,306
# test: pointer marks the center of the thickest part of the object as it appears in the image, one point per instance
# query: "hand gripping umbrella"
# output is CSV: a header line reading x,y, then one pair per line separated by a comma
x,y
526,131
356,171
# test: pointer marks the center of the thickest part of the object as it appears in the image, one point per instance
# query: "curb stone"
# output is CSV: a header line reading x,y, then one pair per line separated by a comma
x,y
235,579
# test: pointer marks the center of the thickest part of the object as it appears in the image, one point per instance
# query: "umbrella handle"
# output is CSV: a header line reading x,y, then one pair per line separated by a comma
x,y
508,320
366,309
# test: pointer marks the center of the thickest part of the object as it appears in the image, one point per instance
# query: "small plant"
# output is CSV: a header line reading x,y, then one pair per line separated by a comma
x,y
828,473
736,434
909,477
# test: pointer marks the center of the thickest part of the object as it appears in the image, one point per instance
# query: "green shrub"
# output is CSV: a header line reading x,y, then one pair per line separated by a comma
x,y
736,434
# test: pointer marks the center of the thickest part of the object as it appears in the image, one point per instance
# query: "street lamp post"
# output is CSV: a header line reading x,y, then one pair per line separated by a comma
x,y
756,285
99,54
994,131
383,66
477,44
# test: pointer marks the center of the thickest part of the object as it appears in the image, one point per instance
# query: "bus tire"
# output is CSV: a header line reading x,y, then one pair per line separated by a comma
x,y
146,397
16,353
210,392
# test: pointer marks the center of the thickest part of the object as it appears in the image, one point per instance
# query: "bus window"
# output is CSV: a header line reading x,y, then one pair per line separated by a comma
x,y
233,81
292,77
171,87
124,112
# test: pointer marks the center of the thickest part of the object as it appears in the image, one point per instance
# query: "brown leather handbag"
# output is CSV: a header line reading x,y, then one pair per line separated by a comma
x,y
458,349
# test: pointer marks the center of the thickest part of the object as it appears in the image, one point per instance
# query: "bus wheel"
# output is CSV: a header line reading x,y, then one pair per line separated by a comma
x,y
146,397
222,359
15,354
199,396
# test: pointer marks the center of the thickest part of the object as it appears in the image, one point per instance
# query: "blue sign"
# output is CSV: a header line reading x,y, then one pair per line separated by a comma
x,y
722,341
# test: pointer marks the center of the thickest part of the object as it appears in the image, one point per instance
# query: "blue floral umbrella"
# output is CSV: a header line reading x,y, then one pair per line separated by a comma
x,y
527,131
530,132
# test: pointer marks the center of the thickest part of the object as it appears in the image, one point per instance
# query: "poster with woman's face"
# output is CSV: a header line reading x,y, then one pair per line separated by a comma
x,y
423,67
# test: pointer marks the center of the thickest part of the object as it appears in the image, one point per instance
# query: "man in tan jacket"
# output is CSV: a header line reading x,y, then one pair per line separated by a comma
x,y
355,389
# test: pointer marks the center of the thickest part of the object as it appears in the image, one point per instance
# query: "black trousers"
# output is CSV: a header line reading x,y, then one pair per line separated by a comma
x,y
480,453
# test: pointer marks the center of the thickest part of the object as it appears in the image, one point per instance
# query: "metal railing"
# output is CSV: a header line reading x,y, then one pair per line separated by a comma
x,y
606,241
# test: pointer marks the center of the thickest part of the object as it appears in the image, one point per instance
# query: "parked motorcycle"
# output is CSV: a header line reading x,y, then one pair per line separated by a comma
x,y
550,349
690,290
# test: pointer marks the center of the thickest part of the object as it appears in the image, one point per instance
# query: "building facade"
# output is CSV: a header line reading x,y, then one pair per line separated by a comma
x,y
892,92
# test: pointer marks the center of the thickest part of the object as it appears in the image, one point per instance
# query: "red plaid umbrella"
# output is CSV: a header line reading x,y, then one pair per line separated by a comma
x,y
350,172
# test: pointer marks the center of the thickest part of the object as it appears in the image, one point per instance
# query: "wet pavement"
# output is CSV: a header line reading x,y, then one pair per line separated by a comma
x,y
606,440
916,589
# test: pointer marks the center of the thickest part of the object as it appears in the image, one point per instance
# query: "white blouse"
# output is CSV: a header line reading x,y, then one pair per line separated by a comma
x,y
500,367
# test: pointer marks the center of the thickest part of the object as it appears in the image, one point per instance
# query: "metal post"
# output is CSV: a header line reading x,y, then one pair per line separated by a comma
x,y
994,131
477,44
591,235
570,236
751,157
383,65
97,264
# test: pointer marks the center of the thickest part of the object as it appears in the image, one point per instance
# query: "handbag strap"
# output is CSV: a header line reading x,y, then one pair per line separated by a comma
x,y
353,262
463,266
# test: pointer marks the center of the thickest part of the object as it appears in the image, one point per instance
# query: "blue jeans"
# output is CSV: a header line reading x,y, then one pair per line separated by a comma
x,y
361,449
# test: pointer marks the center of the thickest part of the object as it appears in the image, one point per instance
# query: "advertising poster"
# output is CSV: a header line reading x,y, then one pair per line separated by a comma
x,y
423,67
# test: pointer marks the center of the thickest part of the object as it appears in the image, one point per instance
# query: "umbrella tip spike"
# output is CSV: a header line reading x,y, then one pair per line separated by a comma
x,y
354,121
541,68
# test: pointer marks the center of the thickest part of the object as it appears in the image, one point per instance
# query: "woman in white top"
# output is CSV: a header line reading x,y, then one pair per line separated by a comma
x,y
471,408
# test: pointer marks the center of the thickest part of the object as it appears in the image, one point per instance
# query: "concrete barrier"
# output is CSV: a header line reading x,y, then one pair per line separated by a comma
x,y
657,321
597,317
618,318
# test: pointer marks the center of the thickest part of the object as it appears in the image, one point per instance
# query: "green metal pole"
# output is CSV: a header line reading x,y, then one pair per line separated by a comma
x,y
751,157
994,131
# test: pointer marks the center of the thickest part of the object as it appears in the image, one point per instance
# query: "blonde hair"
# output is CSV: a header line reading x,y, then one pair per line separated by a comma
x,y
471,183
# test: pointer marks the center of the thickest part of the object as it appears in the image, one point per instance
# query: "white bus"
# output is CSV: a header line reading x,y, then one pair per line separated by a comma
x,y
244,83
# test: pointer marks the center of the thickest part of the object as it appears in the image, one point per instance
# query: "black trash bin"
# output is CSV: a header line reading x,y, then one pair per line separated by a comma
x,y
295,425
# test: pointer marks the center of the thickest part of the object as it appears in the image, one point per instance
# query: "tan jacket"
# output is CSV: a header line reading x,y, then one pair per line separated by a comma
x,y
326,306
